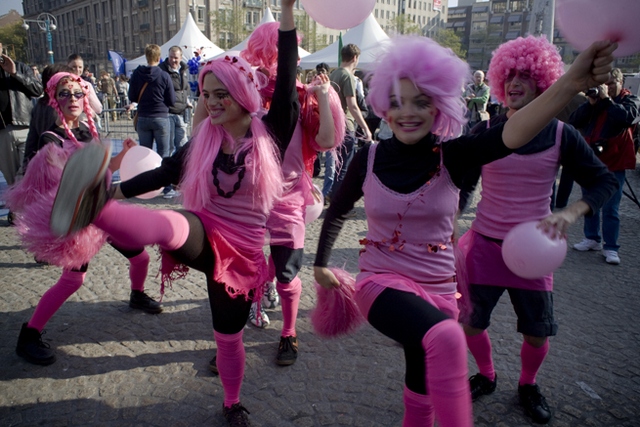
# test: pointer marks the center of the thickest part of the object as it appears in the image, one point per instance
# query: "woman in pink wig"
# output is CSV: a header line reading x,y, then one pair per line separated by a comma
x,y
407,284
230,177
321,127
32,199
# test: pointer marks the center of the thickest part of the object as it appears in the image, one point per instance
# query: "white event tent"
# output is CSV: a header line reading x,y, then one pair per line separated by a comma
x,y
368,36
235,51
189,38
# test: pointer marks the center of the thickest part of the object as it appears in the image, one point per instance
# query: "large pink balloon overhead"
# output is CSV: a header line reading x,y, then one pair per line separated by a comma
x,y
530,253
582,22
137,160
339,14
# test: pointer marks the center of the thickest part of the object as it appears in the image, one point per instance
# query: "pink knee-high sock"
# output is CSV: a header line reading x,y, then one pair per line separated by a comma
x,y
532,359
132,227
138,268
69,282
418,410
290,301
480,347
230,360
447,382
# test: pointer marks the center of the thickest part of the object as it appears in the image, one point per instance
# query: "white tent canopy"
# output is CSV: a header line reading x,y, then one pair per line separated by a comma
x,y
235,51
368,36
189,38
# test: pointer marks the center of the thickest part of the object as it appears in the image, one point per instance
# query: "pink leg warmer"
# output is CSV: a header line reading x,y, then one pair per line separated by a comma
x,y
230,360
290,301
138,268
52,300
447,382
480,347
418,410
133,226
532,359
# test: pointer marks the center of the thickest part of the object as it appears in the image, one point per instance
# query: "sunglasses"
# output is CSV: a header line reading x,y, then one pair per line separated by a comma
x,y
66,95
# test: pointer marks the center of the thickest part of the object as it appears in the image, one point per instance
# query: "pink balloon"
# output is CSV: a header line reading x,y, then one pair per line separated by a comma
x,y
582,22
137,160
339,14
314,211
530,253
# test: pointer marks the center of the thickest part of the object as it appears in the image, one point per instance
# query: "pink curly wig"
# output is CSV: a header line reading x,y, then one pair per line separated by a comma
x,y
52,88
263,160
262,47
533,54
433,69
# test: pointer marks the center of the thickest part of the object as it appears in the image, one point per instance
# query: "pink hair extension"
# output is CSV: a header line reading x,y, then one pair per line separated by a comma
x,y
533,54
336,312
262,47
52,87
263,160
433,69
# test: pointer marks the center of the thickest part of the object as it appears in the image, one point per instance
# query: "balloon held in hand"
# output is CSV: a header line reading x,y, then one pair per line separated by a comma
x,y
530,253
137,160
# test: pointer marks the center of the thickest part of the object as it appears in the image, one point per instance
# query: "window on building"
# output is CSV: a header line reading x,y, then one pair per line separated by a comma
x,y
201,13
171,14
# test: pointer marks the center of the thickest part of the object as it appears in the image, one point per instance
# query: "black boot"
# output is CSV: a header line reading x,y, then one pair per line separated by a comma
x,y
144,302
32,349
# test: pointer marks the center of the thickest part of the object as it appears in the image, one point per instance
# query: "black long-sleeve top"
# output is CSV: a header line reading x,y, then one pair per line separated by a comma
x,y
405,168
281,120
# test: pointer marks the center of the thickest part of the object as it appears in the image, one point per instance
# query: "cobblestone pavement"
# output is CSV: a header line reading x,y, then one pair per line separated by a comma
x,y
120,367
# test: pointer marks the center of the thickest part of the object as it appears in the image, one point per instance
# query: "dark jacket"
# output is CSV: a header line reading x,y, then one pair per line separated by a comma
x,y
21,87
608,128
180,81
158,95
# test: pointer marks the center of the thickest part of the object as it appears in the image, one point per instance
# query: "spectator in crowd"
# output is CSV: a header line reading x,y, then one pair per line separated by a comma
x,y
152,89
342,78
178,71
477,97
607,121
107,87
18,86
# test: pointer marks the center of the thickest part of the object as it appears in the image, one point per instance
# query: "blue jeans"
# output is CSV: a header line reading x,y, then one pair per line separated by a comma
x,y
332,177
177,132
154,128
610,219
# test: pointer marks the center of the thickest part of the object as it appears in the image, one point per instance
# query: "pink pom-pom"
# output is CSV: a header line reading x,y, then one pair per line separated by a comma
x,y
336,312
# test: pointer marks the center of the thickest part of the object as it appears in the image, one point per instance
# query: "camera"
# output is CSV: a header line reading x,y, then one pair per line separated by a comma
x,y
593,92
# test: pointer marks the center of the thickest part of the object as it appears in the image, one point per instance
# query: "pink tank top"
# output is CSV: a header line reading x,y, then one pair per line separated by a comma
x,y
516,189
286,221
410,234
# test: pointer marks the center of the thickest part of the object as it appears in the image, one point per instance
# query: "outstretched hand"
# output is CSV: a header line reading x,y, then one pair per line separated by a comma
x,y
320,84
591,68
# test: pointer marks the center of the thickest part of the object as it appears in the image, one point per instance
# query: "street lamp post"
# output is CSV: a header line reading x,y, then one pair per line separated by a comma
x,y
47,23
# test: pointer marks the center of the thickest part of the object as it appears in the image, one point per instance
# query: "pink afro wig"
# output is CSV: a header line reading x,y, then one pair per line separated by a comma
x,y
52,88
262,47
533,54
433,69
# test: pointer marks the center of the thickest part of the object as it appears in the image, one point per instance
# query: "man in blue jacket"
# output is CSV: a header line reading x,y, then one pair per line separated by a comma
x,y
152,89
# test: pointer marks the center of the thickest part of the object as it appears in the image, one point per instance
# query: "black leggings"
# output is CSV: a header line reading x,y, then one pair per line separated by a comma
x,y
406,318
128,254
229,315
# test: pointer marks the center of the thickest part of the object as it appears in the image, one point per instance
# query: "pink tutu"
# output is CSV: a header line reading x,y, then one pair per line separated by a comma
x,y
31,200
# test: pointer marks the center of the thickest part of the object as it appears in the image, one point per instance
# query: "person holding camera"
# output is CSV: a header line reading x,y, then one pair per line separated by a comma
x,y
607,121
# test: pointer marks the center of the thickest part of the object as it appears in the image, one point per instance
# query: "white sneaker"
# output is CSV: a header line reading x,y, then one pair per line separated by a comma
x,y
611,257
257,316
588,245
271,299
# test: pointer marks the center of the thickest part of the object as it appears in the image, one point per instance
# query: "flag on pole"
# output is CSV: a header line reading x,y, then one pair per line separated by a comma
x,y
118,62
340,49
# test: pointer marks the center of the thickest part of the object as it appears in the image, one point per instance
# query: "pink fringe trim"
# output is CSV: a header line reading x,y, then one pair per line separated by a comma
x,y
336,311
170,271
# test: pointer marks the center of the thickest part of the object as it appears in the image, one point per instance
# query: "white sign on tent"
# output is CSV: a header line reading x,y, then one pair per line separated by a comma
x,y
189,38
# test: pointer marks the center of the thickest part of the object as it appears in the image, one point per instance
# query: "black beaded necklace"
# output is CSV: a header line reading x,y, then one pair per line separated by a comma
x,y
228,165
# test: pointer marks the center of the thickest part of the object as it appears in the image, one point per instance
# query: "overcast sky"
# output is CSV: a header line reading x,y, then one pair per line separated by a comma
x,y
7,5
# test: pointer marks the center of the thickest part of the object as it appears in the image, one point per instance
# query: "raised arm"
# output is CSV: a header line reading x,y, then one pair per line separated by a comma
x,y
591,68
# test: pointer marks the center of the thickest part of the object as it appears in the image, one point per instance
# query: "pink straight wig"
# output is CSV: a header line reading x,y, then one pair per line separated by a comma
x,y
533,54
262,159
52,88
433,69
